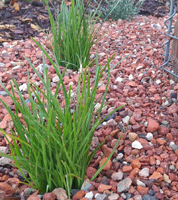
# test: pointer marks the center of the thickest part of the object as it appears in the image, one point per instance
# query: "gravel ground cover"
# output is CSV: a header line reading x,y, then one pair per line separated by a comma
x,y
145,164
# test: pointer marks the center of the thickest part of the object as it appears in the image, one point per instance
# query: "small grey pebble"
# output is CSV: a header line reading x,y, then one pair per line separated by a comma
x,y
11,174
170,101
101,197
87,186
151,192
110,117
148,197
2,64
142,135
20,174
128,196
173,146
27,100
104,180
3,93
173,95
73,192
172,167
175,100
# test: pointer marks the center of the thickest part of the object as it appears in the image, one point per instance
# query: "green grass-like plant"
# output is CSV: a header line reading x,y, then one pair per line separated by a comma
x,y
53,144
119,9
74,34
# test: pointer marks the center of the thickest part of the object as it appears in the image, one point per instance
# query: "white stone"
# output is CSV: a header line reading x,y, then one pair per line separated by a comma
x,y
166,103
42,66
4,51
158,81
137,197
149,136
89,195
113,196
96,195
156,26
14,43
123,196
119,156
139,67
3,149
171,82
119,79
92,56
100,55
5,161
126,119
2,65
37,83
5,44
145,124
165,122
16,63
124,185
72,94
158,162
140,75
140,183
71,83
114,87
137,145
131,78
161,191
105,108
55,79
23,88
97,107
100,84
111,109
166,178
150,143
117,176
144,172
171,143
104,123
111,122
16,67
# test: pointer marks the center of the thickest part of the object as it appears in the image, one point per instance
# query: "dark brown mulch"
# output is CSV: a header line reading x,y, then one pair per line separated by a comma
x,y
22,24
157,8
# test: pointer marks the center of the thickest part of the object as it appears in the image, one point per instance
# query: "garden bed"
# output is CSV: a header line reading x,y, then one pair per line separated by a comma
x,y
145,164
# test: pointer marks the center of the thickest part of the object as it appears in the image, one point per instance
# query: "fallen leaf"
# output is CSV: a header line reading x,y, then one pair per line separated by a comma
x,y
7,26
3,40
34,27
16,6
68,3
26,20
12,2
42,17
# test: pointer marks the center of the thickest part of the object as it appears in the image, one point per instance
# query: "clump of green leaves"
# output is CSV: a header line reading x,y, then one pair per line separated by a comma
x,y
119,9
74,34
52,143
